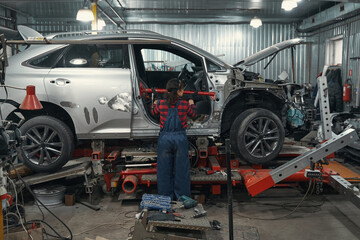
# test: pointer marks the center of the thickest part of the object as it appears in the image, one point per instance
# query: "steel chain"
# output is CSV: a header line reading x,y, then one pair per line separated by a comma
x,y
319,181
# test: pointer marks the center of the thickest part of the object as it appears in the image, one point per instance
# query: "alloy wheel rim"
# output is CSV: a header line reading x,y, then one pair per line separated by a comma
x,y
261,137
43,145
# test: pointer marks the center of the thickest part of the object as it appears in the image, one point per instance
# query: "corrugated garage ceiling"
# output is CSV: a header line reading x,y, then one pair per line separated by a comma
x,y
171,11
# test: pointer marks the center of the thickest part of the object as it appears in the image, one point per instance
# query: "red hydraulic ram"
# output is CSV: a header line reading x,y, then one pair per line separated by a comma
x,y
148,90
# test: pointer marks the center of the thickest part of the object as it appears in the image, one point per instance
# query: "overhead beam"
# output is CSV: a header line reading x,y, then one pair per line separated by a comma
x,y
206,20
328,16
116,13
15,10
108,17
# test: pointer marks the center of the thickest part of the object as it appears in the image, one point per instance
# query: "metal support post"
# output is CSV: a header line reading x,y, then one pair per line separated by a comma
x,y
229,188
323,97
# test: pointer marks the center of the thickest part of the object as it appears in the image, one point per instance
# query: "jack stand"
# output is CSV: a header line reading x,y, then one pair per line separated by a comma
x,y
98,148
202,144
89,186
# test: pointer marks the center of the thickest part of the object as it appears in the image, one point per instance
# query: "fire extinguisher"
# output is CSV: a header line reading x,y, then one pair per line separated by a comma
x,y
347,91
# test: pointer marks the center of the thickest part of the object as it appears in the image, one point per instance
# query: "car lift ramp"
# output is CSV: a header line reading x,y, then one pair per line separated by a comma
x,y
260,181
78,167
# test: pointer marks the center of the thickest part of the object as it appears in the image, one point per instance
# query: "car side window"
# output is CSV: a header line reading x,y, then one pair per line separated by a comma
x,y
212,67
160,60
96,56
46,60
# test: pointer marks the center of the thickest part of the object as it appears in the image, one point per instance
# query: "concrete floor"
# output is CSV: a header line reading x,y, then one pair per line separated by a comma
x,y
321,217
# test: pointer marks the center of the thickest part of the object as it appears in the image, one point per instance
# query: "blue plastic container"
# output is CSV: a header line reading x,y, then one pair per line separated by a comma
x,y
157,202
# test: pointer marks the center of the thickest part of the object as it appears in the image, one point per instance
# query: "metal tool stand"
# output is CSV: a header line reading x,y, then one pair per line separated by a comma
x,y
323,97
140,231
146,230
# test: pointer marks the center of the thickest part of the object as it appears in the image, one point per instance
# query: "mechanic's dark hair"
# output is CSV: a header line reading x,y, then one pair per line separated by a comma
x,y
172,86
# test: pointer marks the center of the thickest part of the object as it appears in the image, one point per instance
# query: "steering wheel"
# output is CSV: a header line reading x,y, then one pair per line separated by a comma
x,y
184,74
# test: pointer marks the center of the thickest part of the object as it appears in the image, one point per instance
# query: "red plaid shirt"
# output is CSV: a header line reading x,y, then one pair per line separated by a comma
x,y
184,109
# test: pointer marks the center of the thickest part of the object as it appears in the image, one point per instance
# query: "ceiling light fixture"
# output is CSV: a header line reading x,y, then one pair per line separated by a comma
x,y
288,5
255,22
85,15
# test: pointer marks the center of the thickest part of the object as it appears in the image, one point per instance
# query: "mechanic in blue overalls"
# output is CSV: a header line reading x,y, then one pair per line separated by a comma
x,y
173,167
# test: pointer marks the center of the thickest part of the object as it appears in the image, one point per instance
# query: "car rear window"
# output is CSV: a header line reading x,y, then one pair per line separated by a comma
x,y
46,60
96,56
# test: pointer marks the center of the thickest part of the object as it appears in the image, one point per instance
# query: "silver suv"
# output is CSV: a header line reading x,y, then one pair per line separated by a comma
x,y
91,88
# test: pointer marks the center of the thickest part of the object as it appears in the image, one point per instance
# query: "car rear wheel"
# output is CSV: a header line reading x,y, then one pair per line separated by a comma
x,y
257,135
48,144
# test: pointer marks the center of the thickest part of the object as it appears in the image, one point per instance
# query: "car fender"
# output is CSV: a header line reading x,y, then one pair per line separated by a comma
x,y
243,106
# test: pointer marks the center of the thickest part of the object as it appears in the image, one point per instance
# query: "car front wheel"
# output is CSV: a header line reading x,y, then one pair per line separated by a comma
x,y
48,144
257,135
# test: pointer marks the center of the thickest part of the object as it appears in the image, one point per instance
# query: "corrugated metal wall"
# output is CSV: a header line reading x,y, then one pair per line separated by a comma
x,y
2,13
354,50
350,31
238,41
47,27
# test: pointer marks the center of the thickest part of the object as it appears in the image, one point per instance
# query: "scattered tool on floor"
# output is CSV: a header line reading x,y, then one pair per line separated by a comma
x,y
188,202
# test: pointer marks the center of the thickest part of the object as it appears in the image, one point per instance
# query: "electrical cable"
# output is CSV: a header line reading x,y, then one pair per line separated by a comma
x,y
105,224
17,209
127,216
286,215
131,231
101,225
36,199
197,154
47,224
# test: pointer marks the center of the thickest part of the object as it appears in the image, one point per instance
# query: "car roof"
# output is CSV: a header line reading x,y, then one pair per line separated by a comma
x,y
124,34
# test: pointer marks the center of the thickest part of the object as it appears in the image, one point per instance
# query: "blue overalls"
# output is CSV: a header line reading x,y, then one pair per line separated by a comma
x,y
173,167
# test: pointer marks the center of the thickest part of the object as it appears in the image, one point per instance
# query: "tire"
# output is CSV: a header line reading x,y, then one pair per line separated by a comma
x,y
48,144
248,139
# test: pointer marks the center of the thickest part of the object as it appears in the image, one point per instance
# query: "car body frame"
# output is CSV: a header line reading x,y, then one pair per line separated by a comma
x,y
104,100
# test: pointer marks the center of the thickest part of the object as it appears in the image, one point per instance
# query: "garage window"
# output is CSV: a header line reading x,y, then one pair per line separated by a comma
x,y
334,51
95,56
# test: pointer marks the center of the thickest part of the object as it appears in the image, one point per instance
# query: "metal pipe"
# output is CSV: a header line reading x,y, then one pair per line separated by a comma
x,y
129,184
229,189
108,17
139,171
15,10
116,13
347,52
7,18
293,63
141,165
192,9
120,4
77,42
